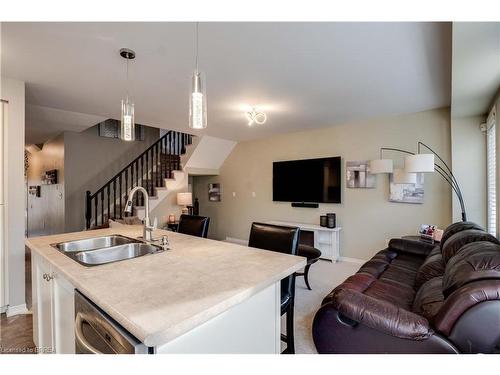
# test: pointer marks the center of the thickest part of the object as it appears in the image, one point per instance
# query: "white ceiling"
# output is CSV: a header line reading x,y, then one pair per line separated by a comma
x,y
304,75
475,68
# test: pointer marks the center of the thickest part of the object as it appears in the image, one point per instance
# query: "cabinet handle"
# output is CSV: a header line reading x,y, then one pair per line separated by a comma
x,y
47,277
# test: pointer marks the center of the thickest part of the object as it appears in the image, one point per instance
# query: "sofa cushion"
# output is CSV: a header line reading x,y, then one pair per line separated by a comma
x,y
475,261
429,298
381,316
458,227
432,267
393,292
455,242
410,246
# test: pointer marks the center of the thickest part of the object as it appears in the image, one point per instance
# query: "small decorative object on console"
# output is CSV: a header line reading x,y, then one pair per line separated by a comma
x,y
196,207
426,231
323,220
331,220
171,218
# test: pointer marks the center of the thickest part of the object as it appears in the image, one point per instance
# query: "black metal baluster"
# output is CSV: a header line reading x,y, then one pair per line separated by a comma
x,y
147,171
114,199
88,209
120,191
102,207
126,189
96,212
151,180
158,165
136,181
108,205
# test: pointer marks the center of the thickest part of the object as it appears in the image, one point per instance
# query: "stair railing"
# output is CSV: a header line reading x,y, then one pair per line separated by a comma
x,y
148,170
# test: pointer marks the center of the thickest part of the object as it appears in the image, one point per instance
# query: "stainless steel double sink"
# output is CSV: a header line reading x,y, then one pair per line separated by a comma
x,y
106,249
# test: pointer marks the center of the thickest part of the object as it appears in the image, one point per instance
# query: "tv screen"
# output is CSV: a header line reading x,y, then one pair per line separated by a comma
x,y
310,180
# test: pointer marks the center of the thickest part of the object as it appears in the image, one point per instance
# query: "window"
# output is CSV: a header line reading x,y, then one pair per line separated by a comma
x,y
491,172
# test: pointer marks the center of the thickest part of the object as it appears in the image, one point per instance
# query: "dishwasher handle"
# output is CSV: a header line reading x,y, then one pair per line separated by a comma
x,y
80,337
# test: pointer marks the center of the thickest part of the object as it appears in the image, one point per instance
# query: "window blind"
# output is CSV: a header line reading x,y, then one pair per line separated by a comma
x,y
491,172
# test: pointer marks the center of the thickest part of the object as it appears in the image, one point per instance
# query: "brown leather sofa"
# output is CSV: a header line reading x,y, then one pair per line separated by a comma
x,y
415,297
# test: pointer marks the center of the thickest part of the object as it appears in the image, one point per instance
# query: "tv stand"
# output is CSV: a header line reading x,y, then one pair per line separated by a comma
x,y
305,205
327,240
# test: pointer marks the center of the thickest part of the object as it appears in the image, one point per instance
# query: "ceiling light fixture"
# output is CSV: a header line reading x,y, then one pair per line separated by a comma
x,y
127,130
255,117
198,98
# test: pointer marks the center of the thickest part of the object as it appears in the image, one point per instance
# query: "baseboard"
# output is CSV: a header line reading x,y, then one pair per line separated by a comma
x,y
352,260
17,310
236,241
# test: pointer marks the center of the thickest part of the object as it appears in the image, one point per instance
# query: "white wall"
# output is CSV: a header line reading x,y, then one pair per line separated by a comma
x,y
468,150
367,217
209,155
14,92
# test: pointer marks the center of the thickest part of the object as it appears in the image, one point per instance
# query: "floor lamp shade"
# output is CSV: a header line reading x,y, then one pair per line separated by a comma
x,y
419,163
381,166
400,176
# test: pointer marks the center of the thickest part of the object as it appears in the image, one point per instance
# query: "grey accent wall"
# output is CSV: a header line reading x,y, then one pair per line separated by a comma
x,y
90,161
367,217
46,213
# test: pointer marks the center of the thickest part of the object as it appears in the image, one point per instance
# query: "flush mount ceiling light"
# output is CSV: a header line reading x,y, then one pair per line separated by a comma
x,y
255,117
127,129
198,97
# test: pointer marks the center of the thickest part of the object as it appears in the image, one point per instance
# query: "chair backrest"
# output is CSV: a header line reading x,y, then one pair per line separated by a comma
x,y
194,225
280,239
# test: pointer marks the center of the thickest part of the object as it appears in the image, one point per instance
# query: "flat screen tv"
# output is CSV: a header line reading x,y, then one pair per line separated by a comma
x,y
310,180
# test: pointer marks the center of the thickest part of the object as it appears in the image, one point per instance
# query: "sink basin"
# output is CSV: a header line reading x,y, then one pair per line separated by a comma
x,y
105,249
93,243
115,253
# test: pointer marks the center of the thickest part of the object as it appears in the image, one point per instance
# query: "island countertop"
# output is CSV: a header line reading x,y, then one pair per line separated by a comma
x,y
161,296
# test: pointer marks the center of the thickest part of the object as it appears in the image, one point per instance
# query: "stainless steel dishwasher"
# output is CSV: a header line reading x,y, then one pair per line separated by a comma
x,y
98,333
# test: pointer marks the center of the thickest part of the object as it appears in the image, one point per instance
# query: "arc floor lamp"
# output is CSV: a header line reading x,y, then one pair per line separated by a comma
x,y
418,163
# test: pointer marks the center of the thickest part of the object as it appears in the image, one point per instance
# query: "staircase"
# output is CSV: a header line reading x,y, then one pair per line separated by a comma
x,y
154,169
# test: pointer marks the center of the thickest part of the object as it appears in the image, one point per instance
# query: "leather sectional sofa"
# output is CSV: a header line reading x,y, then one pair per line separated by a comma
x,y
415,297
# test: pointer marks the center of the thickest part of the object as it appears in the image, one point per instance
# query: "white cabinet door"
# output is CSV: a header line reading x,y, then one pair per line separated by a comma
x,y
53,309
42,315
64,315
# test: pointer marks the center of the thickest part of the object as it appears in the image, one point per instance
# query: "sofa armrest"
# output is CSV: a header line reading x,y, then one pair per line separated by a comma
x,y
405,245
382,316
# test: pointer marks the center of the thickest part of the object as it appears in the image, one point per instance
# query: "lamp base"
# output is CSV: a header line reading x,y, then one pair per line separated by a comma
x,y
185,210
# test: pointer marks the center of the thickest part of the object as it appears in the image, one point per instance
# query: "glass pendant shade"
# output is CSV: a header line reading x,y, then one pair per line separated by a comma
x,y
197,103
419,163
400,176
127,131
381,166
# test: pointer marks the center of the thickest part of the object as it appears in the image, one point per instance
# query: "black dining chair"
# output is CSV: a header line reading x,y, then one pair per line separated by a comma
x,y
194,225
283,240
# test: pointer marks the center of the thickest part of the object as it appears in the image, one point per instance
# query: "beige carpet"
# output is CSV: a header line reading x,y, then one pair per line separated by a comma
x,y
323,277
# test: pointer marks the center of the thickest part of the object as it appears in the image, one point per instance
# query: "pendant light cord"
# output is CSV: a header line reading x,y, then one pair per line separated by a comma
x,y
196,38
127,78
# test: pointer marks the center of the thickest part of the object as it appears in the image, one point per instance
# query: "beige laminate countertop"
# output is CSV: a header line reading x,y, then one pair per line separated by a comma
x,y
162,296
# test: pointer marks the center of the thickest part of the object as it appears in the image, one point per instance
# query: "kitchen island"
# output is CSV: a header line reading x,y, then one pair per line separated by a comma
x,y
201,296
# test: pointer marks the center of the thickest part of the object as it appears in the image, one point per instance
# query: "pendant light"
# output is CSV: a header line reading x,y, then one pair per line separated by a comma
x,y
127,129
198,97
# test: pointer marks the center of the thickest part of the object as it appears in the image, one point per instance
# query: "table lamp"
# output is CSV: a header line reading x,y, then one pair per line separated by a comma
x,y
185,200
